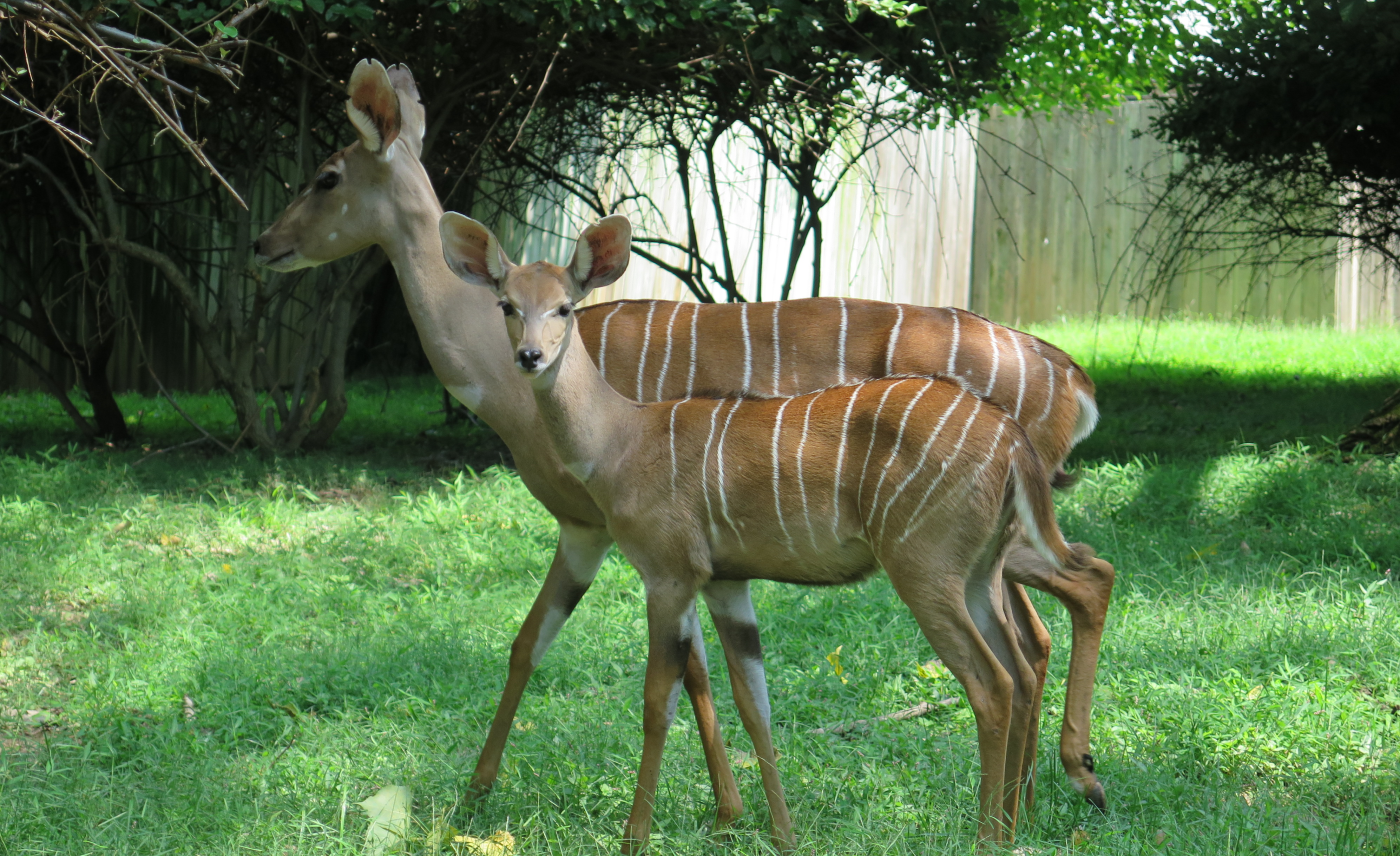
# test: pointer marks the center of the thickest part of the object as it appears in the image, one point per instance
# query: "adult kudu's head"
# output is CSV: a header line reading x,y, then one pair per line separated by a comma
x,y
346,206
537,299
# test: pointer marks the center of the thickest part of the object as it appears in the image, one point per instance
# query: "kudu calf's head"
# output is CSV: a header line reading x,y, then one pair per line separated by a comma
x,y
346,206
537,299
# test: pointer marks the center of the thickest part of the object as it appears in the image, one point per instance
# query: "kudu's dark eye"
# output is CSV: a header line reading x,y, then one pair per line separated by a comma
x,y
506,309
327,180
565,310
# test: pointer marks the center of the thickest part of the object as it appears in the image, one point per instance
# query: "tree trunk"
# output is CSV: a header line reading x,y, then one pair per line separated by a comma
x,y
1379,432
107,415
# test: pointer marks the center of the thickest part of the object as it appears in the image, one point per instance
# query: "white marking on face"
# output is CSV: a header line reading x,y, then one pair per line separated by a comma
x,y
748,346
894,338
801,480
344,208
923,459
602,339
646,343
777,349
332,236
840,462
841,345
777,492
719,460
666,363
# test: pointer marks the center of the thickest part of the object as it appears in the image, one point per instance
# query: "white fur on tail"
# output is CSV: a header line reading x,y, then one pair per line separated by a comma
x,y
1027,514
1088,416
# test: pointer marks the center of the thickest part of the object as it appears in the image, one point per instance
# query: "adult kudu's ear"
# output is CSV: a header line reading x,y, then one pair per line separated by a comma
x,y
472,251
374,106
411,117
602,254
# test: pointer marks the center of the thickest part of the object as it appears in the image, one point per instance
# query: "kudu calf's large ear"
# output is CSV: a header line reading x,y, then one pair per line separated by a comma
x,y
602,254
411,117
374,106
472,251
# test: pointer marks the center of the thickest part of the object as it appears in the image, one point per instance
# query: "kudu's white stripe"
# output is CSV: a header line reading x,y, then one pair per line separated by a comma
x,y
674,407
777,492
840,462
874,425
777,350
748,346
996,359
694,334
898,442
646,346
801,480
1021,378
719,460
666,362
603,342
967,485
919,467
705,465
841,344
953,348
947,464
894,338
1049,390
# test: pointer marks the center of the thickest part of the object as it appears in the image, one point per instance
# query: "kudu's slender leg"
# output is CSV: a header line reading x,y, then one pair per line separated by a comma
x,y
1035,647
949,627
672,628
1086,597
1004,637
732,612
577,558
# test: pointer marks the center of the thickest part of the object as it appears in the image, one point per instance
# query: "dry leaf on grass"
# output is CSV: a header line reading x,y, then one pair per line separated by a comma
x,y
389,813
501,843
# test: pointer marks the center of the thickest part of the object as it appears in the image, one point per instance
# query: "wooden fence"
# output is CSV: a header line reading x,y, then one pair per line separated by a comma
x,y
1023,219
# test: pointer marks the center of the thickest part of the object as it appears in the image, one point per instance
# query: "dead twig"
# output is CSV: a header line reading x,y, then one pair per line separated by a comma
x,y
923,708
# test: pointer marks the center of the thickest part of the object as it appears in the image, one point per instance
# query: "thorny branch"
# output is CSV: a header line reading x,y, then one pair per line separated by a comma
x,y
137,63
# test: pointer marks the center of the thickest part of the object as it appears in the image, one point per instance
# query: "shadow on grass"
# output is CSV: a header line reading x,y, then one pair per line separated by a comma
x,y
1176,413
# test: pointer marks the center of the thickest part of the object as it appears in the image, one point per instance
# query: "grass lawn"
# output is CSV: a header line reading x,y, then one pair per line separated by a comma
x,y
205,654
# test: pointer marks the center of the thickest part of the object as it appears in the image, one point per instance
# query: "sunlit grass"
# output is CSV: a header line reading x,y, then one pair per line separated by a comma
x,y
342,620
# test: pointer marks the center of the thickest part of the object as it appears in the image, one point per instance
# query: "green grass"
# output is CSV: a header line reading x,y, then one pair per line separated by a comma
x,y
341,620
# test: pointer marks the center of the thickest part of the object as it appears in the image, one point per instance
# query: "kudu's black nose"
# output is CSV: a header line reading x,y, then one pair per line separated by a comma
x,y
529,358
257,248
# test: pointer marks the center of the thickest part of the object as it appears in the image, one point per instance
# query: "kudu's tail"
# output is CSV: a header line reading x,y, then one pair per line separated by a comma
x,y
1035,508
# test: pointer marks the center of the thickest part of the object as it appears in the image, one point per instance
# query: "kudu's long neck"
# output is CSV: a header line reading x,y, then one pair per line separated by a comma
x,y
587,420
458,324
